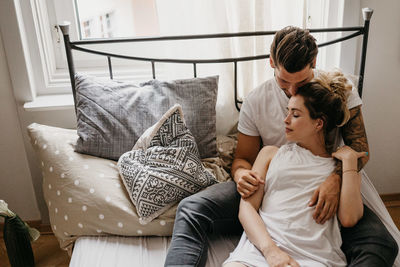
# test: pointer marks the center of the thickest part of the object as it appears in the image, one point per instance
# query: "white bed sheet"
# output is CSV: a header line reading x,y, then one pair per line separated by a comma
x,y
118,251
151,251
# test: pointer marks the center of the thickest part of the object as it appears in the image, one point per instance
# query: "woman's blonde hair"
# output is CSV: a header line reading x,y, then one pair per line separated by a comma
x,y
325,97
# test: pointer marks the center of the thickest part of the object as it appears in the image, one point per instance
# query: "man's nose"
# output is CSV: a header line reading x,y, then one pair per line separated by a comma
x,y
292,90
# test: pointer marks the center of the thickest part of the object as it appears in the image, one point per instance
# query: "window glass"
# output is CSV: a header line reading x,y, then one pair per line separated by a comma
x,y
116,18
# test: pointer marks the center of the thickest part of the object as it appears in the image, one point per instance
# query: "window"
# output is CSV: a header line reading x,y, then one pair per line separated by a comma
x,y
99,26
86,28
117,18
142,17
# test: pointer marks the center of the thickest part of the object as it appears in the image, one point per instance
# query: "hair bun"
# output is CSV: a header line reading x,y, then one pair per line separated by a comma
x,y
338,84
339,88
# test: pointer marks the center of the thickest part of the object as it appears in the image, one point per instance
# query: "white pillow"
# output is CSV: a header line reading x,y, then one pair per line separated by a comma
x,y
163,167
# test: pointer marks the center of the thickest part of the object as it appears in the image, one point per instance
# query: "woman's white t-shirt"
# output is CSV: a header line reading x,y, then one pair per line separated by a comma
x,y
293,175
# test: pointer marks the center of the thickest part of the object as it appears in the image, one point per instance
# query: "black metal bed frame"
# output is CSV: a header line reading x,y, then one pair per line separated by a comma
x,y
76,45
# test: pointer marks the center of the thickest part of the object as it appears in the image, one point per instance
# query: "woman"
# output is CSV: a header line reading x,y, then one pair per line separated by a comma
x,y
279,229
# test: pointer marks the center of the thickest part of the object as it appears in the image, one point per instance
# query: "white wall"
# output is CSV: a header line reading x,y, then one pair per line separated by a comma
x,y
382,95
15,177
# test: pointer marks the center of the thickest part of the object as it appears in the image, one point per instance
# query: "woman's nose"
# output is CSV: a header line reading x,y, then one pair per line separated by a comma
x,y
286,120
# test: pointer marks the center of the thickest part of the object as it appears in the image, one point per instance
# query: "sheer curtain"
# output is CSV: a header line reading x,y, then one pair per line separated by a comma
x,y
185,17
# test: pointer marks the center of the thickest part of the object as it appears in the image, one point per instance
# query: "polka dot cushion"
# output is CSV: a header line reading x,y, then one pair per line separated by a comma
x,y
84,194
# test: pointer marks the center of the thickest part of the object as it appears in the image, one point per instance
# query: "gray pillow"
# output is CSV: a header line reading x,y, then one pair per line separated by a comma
x,y
112,115
163,167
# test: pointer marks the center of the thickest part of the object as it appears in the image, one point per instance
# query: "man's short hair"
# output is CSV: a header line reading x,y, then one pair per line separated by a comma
x,y
294,49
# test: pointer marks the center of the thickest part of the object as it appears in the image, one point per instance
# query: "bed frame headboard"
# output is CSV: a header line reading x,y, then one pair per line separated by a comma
x,y
77,45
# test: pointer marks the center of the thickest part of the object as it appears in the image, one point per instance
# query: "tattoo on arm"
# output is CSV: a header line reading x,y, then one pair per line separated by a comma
x,y
338,168
354,135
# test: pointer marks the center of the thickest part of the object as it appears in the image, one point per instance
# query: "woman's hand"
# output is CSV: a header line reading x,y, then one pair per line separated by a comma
x,y
277,258
248,182
347,153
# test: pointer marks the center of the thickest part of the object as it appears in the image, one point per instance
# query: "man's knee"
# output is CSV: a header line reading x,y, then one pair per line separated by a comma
x,y
378,249
369,229
372,255
215,200
369,242
213,210
190,205
388,248
197,209
393,251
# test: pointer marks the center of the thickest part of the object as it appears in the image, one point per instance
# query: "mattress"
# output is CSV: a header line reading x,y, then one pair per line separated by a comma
x,y
151,251
122,251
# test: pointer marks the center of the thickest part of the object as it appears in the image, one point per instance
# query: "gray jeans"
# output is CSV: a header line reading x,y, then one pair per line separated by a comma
x,y
215,210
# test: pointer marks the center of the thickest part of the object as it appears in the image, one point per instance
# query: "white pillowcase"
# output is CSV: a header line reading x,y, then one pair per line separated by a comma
x,y
163,167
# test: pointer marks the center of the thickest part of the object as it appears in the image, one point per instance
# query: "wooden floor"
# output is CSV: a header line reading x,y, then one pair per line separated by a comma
x,y
48,253
393,206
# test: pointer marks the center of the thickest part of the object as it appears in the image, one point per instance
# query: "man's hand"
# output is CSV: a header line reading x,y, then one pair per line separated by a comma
x,y
247,182
326,196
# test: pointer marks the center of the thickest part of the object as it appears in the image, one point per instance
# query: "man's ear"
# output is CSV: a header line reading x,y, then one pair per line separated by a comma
x,y
314,63
271,62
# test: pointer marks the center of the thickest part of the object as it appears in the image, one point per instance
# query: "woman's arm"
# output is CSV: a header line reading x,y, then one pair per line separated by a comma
x,y
350,205
252,223
327,196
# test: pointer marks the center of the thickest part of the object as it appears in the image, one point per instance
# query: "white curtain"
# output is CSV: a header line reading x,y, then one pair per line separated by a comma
x,y
187,17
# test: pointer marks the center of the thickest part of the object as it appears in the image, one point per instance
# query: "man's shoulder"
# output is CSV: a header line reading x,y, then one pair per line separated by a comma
x,y
262,90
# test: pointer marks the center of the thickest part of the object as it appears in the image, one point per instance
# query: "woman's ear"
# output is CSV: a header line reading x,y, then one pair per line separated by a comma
x,y
319,124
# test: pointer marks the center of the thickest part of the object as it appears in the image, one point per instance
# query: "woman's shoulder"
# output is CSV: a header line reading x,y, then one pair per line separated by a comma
x,y
270,151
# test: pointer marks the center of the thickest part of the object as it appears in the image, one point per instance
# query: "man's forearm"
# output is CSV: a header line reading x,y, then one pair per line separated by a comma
x,y
239,164
354,135
338,168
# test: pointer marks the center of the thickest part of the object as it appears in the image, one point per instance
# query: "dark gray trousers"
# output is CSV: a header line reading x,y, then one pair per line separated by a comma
x,y
215,210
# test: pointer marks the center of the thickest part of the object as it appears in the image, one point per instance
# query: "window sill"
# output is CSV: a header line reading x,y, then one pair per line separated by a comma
x,y
50,102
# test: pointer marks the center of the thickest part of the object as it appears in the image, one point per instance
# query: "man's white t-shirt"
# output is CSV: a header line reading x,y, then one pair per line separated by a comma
x,y
265,108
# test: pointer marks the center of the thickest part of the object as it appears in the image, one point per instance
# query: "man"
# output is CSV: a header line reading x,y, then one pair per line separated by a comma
x,y
215,210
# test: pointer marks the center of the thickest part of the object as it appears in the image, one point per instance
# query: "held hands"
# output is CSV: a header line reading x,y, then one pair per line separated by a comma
x,y
247,182
326,197
277,258
347,153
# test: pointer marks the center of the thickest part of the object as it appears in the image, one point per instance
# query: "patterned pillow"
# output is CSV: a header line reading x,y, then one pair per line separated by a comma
x,y
112,115
163,167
